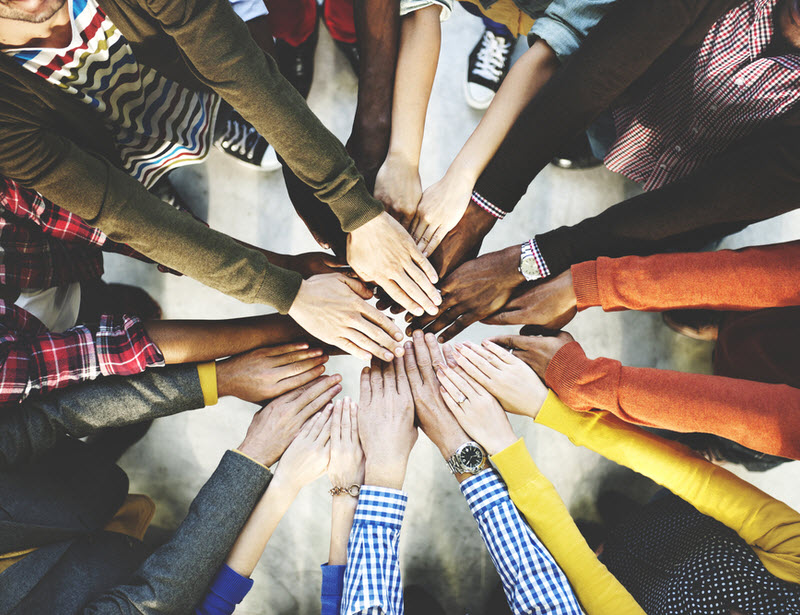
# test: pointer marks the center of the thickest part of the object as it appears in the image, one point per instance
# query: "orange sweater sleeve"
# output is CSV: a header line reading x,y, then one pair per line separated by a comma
x,y
765,417
748,279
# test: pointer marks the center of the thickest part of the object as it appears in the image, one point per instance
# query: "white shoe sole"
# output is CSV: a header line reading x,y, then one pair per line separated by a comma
x,y
475,104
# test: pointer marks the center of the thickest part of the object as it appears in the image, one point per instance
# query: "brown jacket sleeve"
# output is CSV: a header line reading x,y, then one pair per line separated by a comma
x,y
764,417
747,279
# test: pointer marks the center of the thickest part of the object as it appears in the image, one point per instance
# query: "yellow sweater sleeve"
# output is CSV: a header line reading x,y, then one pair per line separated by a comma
x,y
208,382
597,589
768,525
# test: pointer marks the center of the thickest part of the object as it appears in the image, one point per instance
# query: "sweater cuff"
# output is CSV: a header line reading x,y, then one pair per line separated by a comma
x,y
333,580
230,585
208,382
238,452
279,288
565,369
356,208
515,465
584,283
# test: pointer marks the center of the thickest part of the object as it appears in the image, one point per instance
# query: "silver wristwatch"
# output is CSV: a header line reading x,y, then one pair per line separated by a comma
x,y
527,263
469,457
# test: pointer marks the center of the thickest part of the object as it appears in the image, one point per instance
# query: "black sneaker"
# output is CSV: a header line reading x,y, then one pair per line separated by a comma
x,y
489,63
238,138
297,63
350,51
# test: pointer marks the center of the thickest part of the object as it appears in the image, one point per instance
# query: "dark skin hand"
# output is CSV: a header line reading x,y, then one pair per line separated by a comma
x,y
536,350
551,304
472,292
463,242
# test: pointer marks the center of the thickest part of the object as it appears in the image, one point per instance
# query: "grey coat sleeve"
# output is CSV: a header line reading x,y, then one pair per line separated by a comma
x,y
34,426
176,577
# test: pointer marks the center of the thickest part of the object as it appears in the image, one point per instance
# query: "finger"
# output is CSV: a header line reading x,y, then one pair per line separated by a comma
x,y
374,315
320,402
294,357
334,263
419,230
337,421
274,351
451,403
464,383
365,388
296,382
429,271
400,297
435,351
424,360
354,424
414,283
295,394
358,286
467,355
506,317
412,369
447,351
387,346
427,237
508,341
352,349
501,353
319,421
437,238
307,428
473,371
389,377
403,384
366,344
445,320
343,428
300,367
325,425
451,387
376,380
318,389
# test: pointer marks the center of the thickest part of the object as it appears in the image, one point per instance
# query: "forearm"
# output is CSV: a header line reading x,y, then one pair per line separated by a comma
x,y
711,280
420,40
260,526
765,417
343,509
192,341
377,29
769,526
526,77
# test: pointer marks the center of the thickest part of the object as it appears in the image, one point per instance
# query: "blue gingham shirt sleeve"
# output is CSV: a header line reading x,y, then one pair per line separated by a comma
x,y
372,579
531,579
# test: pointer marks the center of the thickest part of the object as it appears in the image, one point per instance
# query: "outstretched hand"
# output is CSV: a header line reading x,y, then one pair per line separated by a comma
x,y
536,350
346,467
306,458
551,304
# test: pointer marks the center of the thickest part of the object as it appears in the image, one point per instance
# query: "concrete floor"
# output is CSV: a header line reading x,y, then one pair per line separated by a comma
x,y
440,547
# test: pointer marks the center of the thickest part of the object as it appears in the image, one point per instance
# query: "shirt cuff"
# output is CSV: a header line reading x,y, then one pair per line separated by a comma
x,y
584,283
124,348
544,270
488,207
565,369
332,580
380,506
238,452
230,585
208,382
483,491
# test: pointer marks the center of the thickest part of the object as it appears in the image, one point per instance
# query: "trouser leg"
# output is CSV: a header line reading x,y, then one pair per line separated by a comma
x,y
339,20
292,21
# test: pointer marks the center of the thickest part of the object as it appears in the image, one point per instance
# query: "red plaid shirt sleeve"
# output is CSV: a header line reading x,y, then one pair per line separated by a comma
x,y
34,361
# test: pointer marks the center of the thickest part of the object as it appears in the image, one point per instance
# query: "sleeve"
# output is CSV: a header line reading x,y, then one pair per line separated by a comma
x,y
409,6
29,429
617,52
226,591
566,23
764,417
757,180
372,578
768,525
597,589
332,589
532,581
37,364
747,279
227,60
176,576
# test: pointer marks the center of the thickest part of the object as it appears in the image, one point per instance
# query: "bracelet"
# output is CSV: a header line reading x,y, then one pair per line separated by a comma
x,y
352,490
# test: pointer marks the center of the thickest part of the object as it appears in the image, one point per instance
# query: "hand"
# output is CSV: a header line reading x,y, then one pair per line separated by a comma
x,y
275,426
472,292
386,423
399,188
551,304
443,204
307,457
464,242
264,373
315,263
509,379
346,467
476,410
333,309
381,251
422,359
536,350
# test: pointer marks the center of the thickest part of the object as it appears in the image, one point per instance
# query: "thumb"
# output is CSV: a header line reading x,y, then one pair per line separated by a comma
x,y
334,263
358,287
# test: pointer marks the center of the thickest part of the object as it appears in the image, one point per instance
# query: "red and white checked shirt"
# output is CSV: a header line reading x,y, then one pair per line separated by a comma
x,y
720,94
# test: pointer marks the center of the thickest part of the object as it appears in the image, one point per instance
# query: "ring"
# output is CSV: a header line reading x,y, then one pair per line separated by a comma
x,y
461,401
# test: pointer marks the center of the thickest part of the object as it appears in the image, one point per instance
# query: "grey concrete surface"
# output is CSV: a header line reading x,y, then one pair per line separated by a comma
x,y
440,546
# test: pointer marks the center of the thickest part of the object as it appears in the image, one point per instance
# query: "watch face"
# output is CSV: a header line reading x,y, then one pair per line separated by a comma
x,y
471,456
529,269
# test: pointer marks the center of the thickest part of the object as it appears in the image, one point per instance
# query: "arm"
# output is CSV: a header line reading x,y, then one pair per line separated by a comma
x,y
769,526
765,417
398,184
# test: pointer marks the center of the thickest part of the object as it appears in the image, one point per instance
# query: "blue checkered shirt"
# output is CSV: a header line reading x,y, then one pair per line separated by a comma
x,y
532,580
372,579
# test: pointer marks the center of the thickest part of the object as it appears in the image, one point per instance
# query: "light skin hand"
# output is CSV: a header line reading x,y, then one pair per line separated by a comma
x,y
333,308
442,206
399,188
382,252
386,423
306,458
509,379
275,426
551,304
464,242
472,292
476,410
535,350
265,373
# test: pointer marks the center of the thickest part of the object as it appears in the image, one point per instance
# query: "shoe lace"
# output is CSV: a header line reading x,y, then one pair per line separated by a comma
x,y
240,136
491,57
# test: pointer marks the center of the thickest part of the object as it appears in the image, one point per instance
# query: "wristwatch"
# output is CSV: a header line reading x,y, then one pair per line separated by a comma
x,y
469,457
527,263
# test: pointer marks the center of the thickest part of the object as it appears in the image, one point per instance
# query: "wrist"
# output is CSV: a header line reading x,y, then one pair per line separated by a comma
x,y
499,442
283,488
402,156
390,475
509,266
224,378
462,172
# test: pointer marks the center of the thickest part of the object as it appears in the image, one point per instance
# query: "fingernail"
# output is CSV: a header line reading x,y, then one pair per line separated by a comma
x,y
417,311
388,356
347,398
303,346
433,311
407,345
441,340
337,388
365,370
417,334
399,351
398,336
